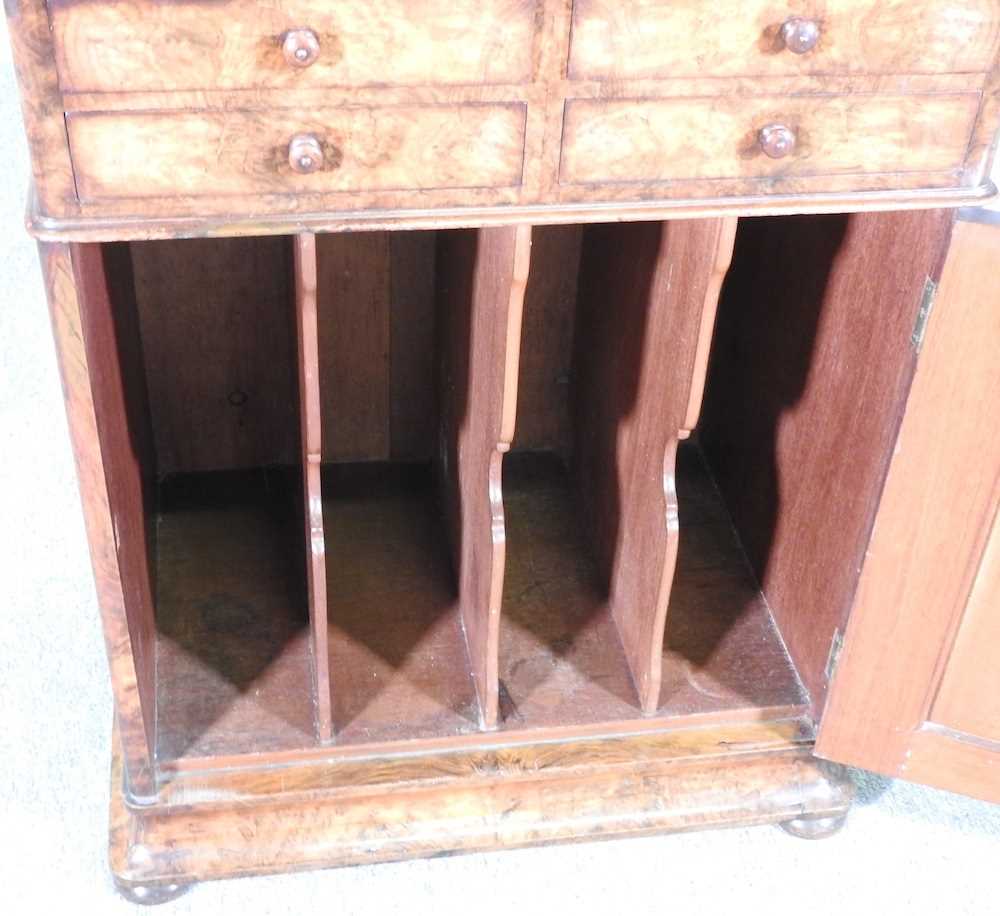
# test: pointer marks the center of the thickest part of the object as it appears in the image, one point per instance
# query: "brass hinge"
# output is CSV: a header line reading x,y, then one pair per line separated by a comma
x,y
924,314
831,660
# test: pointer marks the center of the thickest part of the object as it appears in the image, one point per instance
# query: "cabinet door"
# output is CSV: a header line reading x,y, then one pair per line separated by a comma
x,y
915,691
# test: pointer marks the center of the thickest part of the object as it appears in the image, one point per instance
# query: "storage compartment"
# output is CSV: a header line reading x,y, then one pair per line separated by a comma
x,y
194,356
616,319
399,665
381,487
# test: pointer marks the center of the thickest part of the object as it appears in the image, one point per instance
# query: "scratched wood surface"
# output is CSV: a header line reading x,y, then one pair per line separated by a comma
x,y
499,798
399,668
233,655
561,658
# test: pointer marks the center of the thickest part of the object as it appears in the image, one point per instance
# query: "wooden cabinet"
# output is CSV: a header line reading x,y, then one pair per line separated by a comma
x,y
515,422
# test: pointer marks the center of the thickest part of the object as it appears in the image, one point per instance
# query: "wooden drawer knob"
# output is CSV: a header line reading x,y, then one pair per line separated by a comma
x,y
305,154
300,47
800,35
776,140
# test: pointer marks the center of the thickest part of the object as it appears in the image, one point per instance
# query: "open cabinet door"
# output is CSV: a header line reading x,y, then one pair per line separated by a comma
x,y
915,691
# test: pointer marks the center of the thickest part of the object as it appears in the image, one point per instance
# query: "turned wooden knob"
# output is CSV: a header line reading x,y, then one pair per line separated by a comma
x,y
776,140
305,154
300,47
800,35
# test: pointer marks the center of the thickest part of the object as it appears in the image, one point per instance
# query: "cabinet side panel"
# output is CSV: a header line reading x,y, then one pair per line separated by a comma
x,y
111,471
42,106
812,362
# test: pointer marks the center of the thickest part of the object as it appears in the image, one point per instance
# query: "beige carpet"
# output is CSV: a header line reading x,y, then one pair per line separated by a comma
x,y
905,849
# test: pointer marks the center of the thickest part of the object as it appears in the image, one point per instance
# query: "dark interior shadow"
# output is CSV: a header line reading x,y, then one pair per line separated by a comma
x,y
765,334
392,595
223,570
392,585
583,543
231,600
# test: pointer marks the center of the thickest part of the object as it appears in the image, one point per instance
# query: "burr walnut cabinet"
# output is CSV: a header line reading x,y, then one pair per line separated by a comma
x,y
515,421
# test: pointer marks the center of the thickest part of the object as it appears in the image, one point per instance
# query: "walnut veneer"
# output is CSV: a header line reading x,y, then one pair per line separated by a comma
x,y
488,415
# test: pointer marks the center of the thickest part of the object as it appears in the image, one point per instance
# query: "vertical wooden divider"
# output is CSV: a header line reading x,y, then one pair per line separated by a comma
x,y
648,294
307,326
483,275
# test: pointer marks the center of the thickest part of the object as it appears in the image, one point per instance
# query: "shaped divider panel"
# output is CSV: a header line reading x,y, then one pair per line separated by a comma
x,y
648,293
310,427
482,275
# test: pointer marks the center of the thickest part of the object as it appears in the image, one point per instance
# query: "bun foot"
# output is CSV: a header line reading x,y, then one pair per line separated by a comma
x,y
814,828
150,894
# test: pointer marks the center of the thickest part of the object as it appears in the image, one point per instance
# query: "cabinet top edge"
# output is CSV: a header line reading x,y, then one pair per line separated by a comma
x,y
111,229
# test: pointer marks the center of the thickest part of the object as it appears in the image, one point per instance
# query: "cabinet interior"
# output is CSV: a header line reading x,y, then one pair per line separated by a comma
x,y
276,627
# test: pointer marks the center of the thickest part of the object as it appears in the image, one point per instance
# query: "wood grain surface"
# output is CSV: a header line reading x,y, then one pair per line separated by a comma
x,y
664,38
483,276
218,336
928,545
311,438
968,699
561,659
140,155
673,140
237,44
355,305
461,123
644,289
33,53
502,798
111,481
812,362
548,325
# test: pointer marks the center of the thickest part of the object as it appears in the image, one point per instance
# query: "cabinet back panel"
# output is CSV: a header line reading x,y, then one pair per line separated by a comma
x,y
543,408
812,361
215,314
217,326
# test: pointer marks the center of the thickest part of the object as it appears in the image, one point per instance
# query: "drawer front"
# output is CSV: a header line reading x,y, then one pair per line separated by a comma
x,y
649,39
406,148
115,46
649,141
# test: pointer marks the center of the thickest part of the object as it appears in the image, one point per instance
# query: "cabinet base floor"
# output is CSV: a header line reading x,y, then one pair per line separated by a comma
x,y
345,808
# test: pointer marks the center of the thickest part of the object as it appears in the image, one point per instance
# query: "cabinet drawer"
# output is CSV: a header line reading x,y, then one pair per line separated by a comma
x,y
155,154
647,141
115,46
648,39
